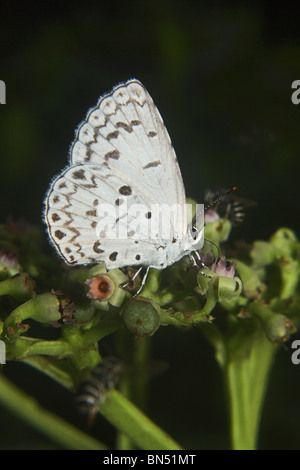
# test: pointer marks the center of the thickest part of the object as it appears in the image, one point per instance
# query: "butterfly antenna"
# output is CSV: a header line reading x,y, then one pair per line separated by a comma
x,y
219,198
212,243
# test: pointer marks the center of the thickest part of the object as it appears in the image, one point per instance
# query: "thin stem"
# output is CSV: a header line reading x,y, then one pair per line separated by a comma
x,y
56,429
124,415
133,384
140,377
137,426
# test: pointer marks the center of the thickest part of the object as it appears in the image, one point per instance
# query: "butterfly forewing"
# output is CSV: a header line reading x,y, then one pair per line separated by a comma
x,y
126,132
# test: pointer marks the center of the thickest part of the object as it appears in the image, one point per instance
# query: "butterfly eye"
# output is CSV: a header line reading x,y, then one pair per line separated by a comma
x,y
196,236
194,232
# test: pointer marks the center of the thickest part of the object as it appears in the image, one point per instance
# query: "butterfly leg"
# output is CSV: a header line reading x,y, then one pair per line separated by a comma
x,y
131,281
144,279
196,259
136,274
197,262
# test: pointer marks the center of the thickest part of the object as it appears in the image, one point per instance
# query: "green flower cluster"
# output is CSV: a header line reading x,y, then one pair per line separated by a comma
x,y
262,284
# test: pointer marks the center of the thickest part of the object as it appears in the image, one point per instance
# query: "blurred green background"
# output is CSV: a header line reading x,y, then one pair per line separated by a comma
x,y
220,74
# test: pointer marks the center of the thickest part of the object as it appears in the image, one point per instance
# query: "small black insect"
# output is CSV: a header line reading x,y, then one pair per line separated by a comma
x,y
225,204
91,392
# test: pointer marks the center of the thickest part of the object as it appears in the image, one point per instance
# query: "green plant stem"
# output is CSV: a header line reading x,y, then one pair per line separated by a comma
x,y
72,343
20,287
138,427
246,378
57,370
56,429
123,414
140,377
123,441
245,358
134,382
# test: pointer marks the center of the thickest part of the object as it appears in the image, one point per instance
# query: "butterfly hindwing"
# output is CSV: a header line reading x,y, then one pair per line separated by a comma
x,y
91,214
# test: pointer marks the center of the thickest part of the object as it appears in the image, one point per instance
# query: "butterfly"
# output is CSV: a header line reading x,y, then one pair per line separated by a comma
x,y
121,200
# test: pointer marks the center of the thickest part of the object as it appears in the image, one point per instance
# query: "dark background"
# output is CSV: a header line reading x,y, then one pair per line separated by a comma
x,y
220,74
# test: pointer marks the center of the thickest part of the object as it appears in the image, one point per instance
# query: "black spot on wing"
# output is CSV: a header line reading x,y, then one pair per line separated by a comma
x,y
152,134
152,164
112,135
59,234
113,256
92,213
125,190
114,154
55,217
96,247
79,174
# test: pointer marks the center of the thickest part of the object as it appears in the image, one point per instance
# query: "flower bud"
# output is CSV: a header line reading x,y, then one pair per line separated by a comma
x,y
9,265
251,279
141,316
263,253
220,281
211,215
218,231
284,240
223,268
20,287
229,288
104,286
279,328
43,308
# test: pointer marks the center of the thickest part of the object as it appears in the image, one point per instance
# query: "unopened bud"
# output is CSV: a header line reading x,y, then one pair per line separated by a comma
x,y
279,328
141,316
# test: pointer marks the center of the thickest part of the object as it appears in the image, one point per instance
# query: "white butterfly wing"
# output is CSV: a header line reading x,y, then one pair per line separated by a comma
x,y
125,132
122,157
94,215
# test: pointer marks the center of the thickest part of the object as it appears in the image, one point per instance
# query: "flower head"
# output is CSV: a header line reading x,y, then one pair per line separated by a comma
x,y
105,287
8,258
101,287
223,268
